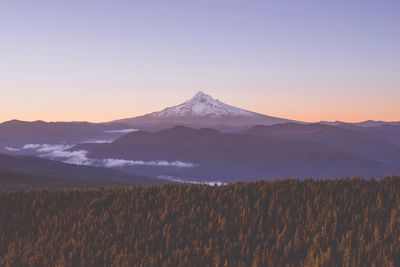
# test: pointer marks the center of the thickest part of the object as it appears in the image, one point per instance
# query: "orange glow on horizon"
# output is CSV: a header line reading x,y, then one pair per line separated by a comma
x,y
107,104
305,116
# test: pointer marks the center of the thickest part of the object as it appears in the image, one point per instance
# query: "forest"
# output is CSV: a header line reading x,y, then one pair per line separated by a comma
x,y
338,222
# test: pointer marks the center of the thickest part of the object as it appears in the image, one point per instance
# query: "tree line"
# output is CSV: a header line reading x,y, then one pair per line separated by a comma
x,y
341,222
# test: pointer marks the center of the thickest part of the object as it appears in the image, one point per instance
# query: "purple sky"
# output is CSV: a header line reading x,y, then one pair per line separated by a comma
x,y
104,60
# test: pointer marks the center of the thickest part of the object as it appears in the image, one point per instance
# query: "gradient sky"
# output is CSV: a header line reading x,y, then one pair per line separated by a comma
x,y
104,60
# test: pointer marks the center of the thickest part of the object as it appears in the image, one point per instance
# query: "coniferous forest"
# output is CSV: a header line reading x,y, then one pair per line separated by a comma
x,y
343,222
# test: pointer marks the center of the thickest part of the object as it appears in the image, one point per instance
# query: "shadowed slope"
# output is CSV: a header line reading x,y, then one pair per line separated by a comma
x,y
237,156
61,173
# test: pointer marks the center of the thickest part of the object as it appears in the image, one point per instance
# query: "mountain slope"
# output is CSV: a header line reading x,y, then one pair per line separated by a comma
x,y
52,173
200,111
235,156
10,180
387,132
354,138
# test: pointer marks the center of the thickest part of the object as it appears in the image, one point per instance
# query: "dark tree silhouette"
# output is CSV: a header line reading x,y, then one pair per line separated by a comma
x,y
343,222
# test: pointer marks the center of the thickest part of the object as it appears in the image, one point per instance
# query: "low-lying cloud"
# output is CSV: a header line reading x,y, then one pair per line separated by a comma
x,y
122,131
12,149
80,157
33,146
183,181
97,141
46,148
162,163
61,153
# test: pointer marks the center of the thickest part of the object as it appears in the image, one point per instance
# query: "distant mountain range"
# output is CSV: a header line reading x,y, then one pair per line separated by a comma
x,y
367,123
204,139
277,151
203,111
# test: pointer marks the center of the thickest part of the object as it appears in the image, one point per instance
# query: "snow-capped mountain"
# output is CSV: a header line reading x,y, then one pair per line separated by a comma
x,y
201,110
203,105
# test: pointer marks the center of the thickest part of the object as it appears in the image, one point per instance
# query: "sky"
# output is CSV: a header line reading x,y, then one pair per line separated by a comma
x,y
104,60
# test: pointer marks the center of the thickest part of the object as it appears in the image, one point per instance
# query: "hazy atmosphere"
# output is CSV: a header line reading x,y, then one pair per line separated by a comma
x,y
200,133
104,60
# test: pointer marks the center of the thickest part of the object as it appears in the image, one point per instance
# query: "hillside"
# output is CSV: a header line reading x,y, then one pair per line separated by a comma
x,y
280,223
249,155
25,172
27,181
363,141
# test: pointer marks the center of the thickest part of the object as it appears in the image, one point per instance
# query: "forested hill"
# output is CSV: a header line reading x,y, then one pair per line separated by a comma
x,y
348,222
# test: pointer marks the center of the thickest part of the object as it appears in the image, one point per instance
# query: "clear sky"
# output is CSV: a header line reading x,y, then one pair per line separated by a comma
x,y
104,60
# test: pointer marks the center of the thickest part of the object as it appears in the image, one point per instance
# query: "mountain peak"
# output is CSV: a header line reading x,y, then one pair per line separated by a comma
x,y
201,110
203,105
200,94
202,97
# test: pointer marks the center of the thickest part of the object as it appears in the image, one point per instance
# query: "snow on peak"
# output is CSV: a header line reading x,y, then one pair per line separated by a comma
x,y
201,97
203,105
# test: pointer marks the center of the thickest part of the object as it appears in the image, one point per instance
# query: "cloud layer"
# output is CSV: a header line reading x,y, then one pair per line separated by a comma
x,y
97,141
12,149
80,157
122,163
122,131
180,180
